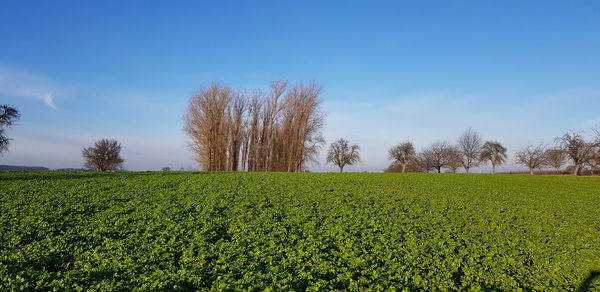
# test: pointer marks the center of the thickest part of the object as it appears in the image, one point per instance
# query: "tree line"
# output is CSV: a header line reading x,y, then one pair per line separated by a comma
x,y
470,151
280,130
571,148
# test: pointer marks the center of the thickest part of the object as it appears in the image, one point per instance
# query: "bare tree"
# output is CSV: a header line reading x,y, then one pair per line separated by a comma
x,y
301,124
424,162
236,111
255,106
454,162
577,149
166,168
493,152
103,156
594,161
469,147
8,116
270,115
312,147
533,157
415,164
341,153
402,154
207,125
437,156
556,158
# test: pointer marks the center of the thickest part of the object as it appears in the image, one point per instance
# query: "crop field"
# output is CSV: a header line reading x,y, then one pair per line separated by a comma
x,y
280,231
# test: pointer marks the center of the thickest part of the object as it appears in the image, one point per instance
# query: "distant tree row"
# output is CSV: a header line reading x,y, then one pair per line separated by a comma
x,y
571,147
470,151
252,130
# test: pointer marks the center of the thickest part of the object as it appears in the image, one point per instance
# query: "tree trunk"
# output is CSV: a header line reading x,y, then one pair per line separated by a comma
x,y
439,170
341,169
493,168
403,167
531,171
576,169
467,169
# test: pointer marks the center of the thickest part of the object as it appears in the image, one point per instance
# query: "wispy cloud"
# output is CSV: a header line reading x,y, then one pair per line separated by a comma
x,y
48,101
15,83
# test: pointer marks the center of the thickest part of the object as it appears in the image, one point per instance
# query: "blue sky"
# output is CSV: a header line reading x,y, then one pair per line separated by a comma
x,y
519,72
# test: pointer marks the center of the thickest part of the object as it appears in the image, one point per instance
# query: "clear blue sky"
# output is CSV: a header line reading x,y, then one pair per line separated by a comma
x,y
517,71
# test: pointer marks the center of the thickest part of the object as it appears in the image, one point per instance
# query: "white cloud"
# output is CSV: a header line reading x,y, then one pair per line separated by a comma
x,y
15,83
48,101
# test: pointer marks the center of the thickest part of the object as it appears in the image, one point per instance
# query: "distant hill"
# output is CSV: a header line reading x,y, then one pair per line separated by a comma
x,y
23,168
74,169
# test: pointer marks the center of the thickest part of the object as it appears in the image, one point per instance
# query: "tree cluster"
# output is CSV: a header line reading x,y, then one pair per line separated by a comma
x,y
571,147
252,130
468,152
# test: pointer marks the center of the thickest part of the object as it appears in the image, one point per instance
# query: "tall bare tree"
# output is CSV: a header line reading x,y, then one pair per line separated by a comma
x,y
402,154
533,157
256,131
341,153
237,111
8,117
206,123
253,131
493,152
270,115
556,158
301,123
577,148
437,156
105,155
469,147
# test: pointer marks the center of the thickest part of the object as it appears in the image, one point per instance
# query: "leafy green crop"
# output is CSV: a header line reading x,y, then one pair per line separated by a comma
x,y
282,231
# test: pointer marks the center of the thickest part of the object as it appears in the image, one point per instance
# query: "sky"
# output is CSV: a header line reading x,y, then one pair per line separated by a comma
x,y
520,72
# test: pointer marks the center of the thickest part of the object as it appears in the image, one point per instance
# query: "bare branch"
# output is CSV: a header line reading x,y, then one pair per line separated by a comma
x,y
8,117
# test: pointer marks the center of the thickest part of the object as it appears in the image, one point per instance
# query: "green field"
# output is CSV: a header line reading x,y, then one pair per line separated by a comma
x,y
230,231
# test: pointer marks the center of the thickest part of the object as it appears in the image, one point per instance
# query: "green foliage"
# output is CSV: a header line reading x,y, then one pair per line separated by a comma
x,y
281,231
